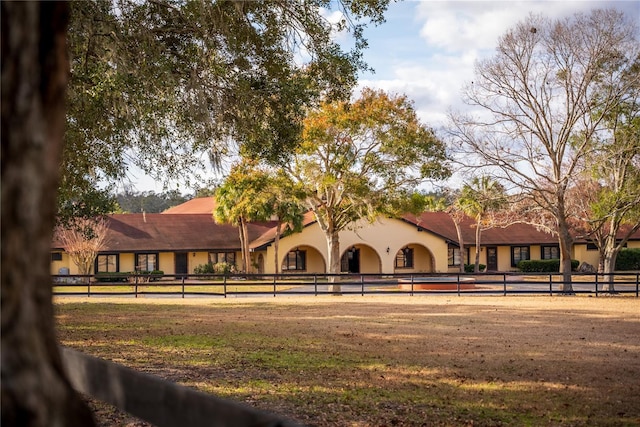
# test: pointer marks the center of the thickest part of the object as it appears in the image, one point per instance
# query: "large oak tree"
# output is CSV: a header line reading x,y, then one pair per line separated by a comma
x,y
362,159
540,101
168,85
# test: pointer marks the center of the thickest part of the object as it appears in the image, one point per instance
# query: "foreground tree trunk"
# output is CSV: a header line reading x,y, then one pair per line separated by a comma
x,y
35,390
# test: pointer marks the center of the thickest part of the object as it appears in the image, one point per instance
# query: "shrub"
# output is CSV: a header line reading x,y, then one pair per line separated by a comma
x,y
204,269
468,268
112,277
628,259
544,265
224,268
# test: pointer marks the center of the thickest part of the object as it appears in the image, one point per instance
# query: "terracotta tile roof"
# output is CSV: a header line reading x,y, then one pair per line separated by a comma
x,y
174,232
200,205
441,224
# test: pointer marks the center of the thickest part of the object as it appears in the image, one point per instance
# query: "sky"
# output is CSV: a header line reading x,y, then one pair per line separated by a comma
x,y
427,49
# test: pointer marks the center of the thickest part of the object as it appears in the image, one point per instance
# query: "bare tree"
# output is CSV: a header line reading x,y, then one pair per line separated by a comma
x,y
541,100
35,390
83,239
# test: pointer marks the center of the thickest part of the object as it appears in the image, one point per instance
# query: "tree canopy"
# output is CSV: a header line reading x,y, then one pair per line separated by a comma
x,y
167,84
362,159
543,98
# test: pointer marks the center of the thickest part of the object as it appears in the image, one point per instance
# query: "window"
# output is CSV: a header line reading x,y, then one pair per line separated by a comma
x,y
453,256
56,256
147,262
404,258
592,247
107,263
550,252
519,253
295,260
217,257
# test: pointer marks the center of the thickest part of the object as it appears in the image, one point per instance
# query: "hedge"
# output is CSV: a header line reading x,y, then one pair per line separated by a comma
x,y
126,276
628,259
544,265
469,268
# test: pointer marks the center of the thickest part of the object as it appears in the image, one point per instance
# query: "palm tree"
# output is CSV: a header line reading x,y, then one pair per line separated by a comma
x,y
479,200
242,198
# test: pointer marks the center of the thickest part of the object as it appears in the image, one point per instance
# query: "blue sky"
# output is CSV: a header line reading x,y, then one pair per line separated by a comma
x,y
427,49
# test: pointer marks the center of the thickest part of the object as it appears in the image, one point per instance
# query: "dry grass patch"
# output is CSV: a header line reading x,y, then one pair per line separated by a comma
x,y
381,360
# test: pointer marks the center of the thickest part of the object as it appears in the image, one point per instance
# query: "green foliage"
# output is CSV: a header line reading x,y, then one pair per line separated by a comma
x,y
628,259
164,84
148,201
217,268
363,158
470,268
544,265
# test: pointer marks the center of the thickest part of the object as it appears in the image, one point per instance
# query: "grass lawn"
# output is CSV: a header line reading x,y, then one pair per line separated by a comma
x,y
380,360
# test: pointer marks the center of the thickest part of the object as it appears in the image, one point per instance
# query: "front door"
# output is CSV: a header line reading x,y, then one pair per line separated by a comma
x,y
492,258
182,264
350,262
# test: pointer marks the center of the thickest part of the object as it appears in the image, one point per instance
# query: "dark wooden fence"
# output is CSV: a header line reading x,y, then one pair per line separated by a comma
x,y
362,284
160,402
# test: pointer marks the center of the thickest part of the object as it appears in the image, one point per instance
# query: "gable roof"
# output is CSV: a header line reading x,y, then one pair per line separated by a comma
x,y
173,232
199,205
441,224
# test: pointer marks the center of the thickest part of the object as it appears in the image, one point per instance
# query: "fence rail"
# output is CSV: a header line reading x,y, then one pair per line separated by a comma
x,y
194,285
160,402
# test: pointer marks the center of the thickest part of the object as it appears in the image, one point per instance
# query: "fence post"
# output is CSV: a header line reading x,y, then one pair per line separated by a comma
x,y
224,285
135,281
504,284
315,284
412,285
596,281
88,286
550,284
182,279
637,283
274,285
362,285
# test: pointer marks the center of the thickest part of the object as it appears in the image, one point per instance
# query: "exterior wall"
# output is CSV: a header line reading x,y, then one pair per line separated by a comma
x,y
127,262
369,260
200,258
582,254
166,262
64,263
376,238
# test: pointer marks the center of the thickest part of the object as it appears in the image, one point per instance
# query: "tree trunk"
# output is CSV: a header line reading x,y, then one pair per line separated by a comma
x,y
35,390
456,223
276,244
476,267
244,246
609,265
565,241
333,246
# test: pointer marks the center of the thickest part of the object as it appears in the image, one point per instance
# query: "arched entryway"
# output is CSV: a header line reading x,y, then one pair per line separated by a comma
x,y
303,259
414,258
360,259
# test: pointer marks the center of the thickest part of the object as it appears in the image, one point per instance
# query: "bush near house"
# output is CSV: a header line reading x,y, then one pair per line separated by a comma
x,y
544,265
217,268
130,276
468,268
628,259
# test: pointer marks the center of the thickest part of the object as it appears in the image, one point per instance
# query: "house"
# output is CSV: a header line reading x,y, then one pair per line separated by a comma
x,y
186,236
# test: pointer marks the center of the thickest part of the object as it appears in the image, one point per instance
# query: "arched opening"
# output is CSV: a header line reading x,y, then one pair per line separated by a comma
x,y
303,259
360,259
414,258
